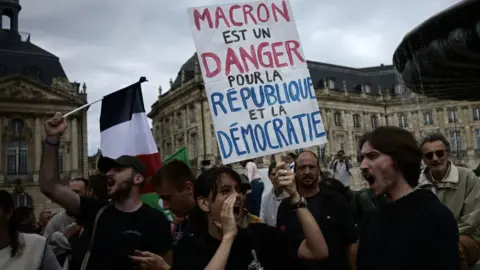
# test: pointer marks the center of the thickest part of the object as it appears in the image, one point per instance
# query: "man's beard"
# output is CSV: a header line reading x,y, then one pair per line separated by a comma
x,y
123,190
310,184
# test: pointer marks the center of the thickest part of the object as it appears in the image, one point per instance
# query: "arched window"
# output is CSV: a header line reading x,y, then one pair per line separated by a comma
x,y
17,126
180,142
356,121
168,148
337,119
17,158
374,120
427,119
6,18
331,83
192,114
194,145
166,127
179,120
403,121
368,88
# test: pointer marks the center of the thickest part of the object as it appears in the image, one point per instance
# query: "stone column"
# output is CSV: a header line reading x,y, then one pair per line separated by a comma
x,y
85,144
2,151
469,144
466,112
394,121
74,144
38,148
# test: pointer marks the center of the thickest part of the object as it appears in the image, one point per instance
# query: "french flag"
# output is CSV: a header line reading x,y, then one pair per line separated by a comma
x,y
124,129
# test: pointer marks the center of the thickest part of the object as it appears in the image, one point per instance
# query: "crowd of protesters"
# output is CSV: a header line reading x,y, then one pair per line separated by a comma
x,y
420,211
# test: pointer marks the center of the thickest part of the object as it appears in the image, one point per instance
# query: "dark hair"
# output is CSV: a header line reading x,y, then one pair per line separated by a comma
x,y
175,172
336,186
6,204
272,166
292,155
205,186
98,183
245,185
315,155
83,180
401,146
433,137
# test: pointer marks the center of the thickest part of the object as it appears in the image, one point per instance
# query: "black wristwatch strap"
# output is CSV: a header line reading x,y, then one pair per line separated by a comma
x,y
302,203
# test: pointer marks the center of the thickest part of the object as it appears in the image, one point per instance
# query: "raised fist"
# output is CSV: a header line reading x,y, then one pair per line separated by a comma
x,y
55,126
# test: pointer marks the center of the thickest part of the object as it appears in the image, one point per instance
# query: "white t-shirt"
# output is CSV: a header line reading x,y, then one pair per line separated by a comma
x,y
341,173
252,171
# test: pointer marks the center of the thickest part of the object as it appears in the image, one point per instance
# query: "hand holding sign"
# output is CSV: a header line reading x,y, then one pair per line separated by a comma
x,y
286,181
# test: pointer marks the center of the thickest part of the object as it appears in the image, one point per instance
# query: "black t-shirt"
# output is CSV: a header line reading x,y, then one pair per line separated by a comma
x,y
335,218
79,244
415,232
180,230
119,234
257,246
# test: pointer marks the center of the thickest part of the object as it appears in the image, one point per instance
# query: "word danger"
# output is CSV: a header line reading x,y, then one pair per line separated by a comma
x,y
240,14
265,55
255,138
261,96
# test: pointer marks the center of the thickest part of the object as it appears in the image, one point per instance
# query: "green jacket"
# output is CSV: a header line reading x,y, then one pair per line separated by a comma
x,y
460,192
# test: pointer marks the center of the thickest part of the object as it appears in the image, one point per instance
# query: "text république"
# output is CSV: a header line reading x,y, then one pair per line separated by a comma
x,y
261,96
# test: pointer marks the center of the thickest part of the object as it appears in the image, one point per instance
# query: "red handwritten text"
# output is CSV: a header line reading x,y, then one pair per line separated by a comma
x,y
239,15
265,55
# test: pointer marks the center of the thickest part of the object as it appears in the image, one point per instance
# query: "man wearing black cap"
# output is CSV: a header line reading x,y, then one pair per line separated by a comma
x,y
120,229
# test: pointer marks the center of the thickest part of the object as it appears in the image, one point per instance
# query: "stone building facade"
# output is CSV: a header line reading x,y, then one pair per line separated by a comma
x,y
33,86
352,101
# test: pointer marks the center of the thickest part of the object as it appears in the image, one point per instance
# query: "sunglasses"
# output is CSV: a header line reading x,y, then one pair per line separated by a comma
x,y
438,153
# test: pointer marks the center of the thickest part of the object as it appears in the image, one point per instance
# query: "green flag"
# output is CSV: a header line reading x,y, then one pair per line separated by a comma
x,y
181,154
152,200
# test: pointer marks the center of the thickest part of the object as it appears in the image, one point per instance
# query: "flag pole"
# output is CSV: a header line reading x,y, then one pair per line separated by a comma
x,y
141,80
81,108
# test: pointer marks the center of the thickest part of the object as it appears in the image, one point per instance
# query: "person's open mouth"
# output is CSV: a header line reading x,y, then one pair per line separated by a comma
x,y
369,178
237,209
110,182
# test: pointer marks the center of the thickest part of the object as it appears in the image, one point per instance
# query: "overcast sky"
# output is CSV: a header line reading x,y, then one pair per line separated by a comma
x,y
111,43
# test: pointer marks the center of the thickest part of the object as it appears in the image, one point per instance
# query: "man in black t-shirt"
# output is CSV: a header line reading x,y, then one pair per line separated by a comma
x,y
331,211
174,184
125,225
413,229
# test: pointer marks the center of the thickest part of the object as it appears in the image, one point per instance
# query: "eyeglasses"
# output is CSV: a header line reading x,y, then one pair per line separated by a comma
x,y
438,153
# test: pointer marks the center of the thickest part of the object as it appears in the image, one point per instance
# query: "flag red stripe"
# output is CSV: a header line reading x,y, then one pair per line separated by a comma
x,y
152,162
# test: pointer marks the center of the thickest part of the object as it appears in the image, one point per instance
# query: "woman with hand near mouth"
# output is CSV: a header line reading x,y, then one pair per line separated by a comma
x,y
217,242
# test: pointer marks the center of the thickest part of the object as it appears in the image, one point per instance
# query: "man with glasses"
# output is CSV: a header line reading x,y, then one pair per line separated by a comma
x,y
457,188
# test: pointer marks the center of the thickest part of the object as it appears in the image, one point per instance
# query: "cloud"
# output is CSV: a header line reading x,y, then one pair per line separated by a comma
x,y
109,44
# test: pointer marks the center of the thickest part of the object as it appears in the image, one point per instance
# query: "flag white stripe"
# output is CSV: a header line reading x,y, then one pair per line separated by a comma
x,y
128,138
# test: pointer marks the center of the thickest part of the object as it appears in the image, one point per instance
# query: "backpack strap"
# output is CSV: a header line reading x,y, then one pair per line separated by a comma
x,y
92,237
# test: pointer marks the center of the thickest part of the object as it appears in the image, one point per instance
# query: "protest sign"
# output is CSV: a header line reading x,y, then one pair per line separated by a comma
x,y
258,85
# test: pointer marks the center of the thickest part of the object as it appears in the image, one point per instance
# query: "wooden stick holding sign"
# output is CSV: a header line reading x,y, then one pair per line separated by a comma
x,y
284,194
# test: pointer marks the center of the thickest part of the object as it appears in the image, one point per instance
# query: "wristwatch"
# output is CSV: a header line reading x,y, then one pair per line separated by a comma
x,y
302,203
49,142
